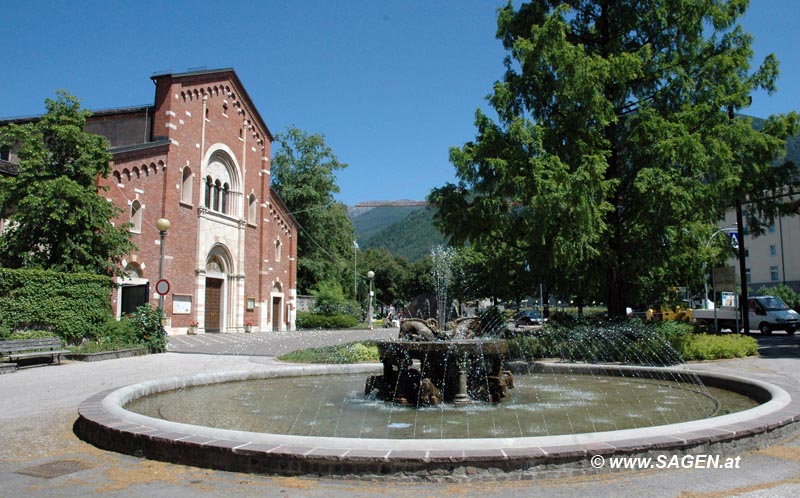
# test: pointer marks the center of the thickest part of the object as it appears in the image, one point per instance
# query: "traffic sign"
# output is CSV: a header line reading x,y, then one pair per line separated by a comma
x,y
162,287
735,240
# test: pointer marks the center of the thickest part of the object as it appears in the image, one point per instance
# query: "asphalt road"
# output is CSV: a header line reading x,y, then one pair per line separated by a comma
x,y
38,406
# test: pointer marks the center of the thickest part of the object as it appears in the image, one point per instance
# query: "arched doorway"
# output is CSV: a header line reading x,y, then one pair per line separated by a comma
x,y
277,306
134,290
217,267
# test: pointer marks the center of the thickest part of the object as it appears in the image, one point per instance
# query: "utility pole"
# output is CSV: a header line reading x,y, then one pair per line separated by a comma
x,y
743,305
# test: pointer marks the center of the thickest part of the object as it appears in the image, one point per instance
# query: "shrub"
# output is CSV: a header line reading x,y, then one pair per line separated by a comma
x,y
113,335
627,341
675,333
354,352
713,347
330,300
149,332
320,321
72,306
22,335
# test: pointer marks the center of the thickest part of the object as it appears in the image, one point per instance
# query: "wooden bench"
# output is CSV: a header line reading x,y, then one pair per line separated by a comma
x,y
33,348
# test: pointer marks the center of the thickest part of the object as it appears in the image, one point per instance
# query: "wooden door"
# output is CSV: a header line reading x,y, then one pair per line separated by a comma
x,y
276,313
213,304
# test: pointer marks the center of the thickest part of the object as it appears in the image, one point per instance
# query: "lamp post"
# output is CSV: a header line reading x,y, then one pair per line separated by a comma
x,y
729,229
370,276
162,225
355,270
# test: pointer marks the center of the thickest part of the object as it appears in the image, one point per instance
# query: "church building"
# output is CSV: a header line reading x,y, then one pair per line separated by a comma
x,y
199,157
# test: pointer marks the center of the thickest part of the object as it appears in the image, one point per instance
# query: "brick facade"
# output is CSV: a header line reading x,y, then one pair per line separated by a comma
x,y
200,157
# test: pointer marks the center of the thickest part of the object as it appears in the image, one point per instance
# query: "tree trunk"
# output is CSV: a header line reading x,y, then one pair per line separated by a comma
x,y
615,294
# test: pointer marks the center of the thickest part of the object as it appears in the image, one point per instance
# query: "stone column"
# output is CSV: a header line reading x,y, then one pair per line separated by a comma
x,y
462,397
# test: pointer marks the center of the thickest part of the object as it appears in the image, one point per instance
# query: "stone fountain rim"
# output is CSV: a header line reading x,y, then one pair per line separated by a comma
x,y
104,422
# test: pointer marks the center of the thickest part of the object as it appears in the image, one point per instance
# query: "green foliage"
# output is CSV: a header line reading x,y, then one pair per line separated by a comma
x,y
304,176
73,306
21,335
412,237
715,347
617,146
628,342
149,332
58,220
392,276
786,293
354,352
330,300
376,220
115,334
311,321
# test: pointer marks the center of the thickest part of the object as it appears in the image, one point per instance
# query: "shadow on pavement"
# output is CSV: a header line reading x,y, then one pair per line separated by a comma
x,y
778,346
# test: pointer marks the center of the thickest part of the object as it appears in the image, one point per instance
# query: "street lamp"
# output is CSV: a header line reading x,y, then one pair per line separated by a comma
x,y
729,229
355,270
370,276
162,225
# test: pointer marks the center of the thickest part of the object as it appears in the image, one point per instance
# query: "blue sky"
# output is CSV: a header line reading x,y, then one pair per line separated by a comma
x,y
391,84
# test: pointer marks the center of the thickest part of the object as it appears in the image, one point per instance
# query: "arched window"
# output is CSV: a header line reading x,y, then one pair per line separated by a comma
x,y
126,174
117,177
217,187
208,192
225,186
186,186
135,173
136,217
224,204
133,270
278,247
252,209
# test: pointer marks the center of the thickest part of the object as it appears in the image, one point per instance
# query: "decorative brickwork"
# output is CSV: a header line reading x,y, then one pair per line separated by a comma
x,y
203,163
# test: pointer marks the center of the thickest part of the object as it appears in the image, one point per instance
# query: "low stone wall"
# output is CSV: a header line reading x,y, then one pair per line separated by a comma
x,y
106,424
107,355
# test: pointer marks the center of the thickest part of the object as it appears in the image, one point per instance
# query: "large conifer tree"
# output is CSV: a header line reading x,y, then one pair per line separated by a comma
x,y
619,143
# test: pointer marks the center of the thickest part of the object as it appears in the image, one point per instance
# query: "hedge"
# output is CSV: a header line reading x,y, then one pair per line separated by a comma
x,y
319,321
71,305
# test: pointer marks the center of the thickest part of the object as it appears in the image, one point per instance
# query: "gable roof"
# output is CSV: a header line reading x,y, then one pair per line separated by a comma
x,y
215,75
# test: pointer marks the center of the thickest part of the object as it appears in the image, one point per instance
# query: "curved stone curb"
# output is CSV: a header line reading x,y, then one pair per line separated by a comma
x,y
107,355
103,422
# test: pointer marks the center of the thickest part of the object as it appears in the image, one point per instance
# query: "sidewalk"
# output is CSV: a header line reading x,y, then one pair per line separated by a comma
x,y
39,405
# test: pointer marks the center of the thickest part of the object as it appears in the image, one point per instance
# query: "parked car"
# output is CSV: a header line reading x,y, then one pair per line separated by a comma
x,y
529,317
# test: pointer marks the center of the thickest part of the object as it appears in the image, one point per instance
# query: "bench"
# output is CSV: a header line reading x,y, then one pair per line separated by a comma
x,y
24,349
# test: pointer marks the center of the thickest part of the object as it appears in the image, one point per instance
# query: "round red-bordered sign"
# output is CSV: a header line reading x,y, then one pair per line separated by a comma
x,y
162,287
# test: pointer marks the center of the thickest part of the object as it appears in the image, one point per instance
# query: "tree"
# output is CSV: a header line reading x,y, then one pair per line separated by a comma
x,y
618,143
391,275
57,219
303,174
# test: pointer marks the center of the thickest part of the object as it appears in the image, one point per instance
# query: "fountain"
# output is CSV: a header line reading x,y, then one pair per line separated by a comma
x,y
433,411
427,366
435,361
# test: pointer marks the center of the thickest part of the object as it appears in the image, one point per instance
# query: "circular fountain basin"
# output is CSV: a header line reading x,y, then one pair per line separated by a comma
x,y
106,423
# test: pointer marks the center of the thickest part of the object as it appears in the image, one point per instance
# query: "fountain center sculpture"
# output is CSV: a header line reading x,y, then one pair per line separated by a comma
x,y
459,363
